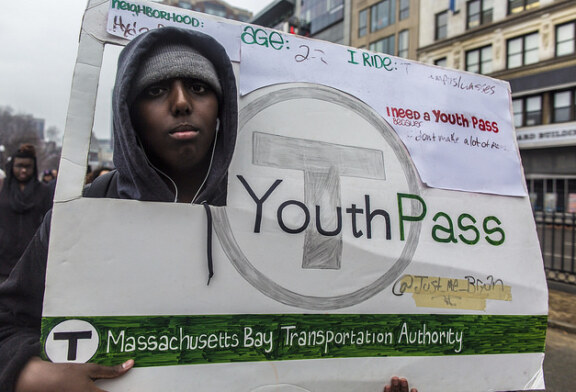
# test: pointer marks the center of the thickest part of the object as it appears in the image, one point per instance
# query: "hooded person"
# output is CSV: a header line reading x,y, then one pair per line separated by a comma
x,y
150,59
23,203
174,119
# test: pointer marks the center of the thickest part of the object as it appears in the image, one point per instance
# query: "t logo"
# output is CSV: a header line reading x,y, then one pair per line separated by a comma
x,y
72,341
323,164
72,338
319,176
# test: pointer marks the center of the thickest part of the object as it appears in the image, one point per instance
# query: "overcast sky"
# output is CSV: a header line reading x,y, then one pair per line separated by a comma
x,y
38,45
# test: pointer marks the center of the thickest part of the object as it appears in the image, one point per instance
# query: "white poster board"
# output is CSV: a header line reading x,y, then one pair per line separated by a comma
x,y
365,235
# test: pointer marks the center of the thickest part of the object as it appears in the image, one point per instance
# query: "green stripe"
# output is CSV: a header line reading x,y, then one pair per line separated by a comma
x,y
233,338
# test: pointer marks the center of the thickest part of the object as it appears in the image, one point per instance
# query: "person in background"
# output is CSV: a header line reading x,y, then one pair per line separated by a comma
x,y
23,203
47,176
94,174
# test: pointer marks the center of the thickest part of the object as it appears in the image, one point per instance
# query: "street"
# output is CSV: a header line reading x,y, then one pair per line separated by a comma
x,y
560,361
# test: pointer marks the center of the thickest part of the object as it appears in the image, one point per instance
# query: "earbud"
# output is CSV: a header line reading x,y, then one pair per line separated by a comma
x,y
217,124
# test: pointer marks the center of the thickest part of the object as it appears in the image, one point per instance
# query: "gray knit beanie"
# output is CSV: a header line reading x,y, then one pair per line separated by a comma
x,y
174,61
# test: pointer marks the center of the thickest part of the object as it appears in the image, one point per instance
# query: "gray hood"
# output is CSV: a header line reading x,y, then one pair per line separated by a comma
x,y
137,179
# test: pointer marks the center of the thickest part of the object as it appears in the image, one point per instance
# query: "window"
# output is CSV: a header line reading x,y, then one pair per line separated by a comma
x,y
362,23
385,45
565,38
523,50
321,14
564,106
441,25
383,14
527,111
479,13
515,6
442,62
403,40
215,9
479,60
559,186
404,12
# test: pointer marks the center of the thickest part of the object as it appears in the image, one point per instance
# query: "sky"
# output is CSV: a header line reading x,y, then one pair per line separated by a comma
x,y
38,47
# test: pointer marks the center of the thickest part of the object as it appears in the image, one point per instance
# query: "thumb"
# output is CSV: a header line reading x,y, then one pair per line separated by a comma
x,y
99,371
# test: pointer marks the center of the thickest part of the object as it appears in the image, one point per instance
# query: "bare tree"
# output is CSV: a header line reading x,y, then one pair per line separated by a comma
x,y
53,134
16,129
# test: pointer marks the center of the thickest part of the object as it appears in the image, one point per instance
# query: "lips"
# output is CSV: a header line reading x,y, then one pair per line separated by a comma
x,y
184,132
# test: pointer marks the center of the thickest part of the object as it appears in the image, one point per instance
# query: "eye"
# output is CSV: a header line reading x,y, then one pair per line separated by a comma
x,y
154,90
198,87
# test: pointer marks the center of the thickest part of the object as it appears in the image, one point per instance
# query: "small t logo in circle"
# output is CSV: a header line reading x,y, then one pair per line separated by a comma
x,y
73,341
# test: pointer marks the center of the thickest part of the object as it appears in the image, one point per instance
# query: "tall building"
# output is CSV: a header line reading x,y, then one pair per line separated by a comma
x,y
531,44
212,7
386,26
321,19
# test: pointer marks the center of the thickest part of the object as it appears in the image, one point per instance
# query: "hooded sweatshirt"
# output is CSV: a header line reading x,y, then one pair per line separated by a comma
x,y
21,296
136,178
21,213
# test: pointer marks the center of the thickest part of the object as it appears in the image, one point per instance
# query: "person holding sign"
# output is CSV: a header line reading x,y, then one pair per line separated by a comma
x,y
175,122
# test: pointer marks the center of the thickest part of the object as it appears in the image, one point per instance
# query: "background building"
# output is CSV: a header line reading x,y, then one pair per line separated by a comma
x,y
387,26
328,20
212,7
531,44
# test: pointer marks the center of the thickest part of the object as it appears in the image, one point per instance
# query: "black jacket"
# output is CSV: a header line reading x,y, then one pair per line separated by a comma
x,y
21,213
21,296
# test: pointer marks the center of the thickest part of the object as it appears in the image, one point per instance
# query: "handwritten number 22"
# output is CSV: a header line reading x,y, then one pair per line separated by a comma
x,y
303,57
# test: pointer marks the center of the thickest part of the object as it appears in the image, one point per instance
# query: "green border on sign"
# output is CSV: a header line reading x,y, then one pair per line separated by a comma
x,y
186,340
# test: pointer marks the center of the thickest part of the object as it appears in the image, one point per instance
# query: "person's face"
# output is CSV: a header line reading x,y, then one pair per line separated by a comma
x,y
176,122
23,169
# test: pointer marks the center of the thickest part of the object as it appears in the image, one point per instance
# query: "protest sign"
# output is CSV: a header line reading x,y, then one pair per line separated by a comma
x,y
370,231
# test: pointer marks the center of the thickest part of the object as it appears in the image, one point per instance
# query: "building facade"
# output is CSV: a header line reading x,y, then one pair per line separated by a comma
x,y
531,44
212,7
386,26
327,20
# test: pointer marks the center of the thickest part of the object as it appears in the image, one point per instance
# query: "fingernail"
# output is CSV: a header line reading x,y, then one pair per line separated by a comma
x,y
128,364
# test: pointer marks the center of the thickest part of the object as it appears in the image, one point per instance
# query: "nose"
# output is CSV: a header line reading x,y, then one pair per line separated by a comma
x,y
181,104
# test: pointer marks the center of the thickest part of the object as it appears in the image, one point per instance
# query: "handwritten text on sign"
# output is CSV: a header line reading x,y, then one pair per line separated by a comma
x,y
128,19
402,91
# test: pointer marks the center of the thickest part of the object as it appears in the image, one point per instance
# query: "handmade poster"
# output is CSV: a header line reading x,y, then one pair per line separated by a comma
x,y
377,224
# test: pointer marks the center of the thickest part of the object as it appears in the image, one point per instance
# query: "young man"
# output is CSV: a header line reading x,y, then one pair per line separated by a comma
x,y
175,120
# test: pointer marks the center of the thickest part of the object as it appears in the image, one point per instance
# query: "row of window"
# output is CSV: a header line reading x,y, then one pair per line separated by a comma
x,y
479,12
382,14
321,13
552,194
528,111
386,44
520,51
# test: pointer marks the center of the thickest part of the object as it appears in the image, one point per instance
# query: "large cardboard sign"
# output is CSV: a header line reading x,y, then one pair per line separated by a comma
x,y
377,224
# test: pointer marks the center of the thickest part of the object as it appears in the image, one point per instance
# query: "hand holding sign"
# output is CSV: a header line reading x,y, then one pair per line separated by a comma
x,y
42,376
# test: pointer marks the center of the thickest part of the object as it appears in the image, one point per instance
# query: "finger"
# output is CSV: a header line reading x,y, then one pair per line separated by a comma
x,y
98,371
403,385
395,382
387,388
413,390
